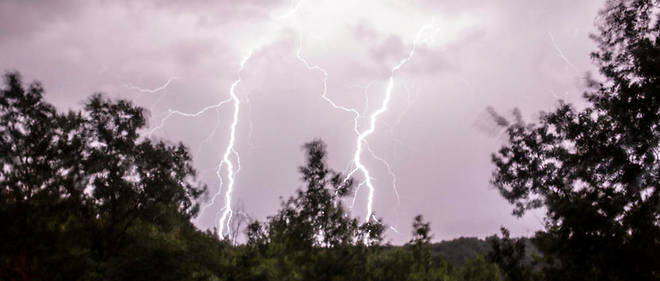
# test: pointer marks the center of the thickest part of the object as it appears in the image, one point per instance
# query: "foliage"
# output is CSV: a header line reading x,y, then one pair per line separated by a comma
x,y
479,269
82,196
511,257
313,237
595,170
457,251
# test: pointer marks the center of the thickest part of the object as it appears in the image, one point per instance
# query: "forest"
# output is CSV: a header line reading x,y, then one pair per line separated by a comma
x,y
85,195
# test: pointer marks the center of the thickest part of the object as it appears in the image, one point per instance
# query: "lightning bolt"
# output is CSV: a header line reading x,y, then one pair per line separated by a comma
x,y
361,141
560,53
229,166
144,91
293,10
232,168
324,94
225,220
389,171
362,136
172,112
229,150
151,91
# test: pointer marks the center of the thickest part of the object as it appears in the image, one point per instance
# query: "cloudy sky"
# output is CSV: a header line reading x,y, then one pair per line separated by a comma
x,y
435,134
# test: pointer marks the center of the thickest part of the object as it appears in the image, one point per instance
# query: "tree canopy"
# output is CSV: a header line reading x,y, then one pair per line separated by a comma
x,y
81,194
595,170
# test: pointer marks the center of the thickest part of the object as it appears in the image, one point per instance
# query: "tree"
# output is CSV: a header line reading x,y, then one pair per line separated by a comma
x,y
82,195
424,266
511,257
596,170
312,236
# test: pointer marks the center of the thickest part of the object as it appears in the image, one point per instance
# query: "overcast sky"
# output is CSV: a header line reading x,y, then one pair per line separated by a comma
x,y
435,135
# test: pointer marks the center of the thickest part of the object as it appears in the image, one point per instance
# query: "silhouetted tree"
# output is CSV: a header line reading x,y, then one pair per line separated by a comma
x,y
595,170
312,236
83,196
511,257
424,266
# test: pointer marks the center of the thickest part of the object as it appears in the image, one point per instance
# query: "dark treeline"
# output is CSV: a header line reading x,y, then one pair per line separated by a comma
x,y
84,197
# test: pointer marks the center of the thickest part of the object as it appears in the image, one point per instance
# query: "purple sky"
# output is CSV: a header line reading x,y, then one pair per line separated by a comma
x,y
435,135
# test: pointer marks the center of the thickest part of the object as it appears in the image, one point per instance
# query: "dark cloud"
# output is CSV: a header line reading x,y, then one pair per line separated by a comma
x,y
21,19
